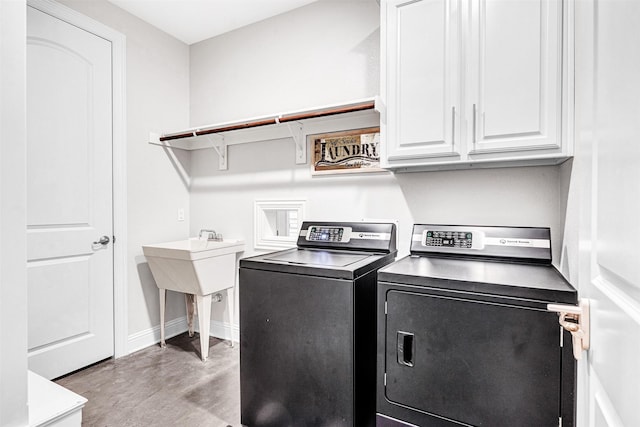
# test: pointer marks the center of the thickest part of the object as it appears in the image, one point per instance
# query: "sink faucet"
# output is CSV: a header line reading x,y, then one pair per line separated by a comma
x,y
211,235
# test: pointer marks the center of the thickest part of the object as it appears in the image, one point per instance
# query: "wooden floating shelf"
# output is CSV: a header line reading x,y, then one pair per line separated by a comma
x,y
296,125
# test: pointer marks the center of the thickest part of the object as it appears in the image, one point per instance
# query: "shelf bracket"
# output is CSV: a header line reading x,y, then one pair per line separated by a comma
x,y
381,108
574,319
154,139
218,144
295,130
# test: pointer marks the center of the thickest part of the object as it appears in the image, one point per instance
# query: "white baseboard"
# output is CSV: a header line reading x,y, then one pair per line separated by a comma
x,y
151,336
225,331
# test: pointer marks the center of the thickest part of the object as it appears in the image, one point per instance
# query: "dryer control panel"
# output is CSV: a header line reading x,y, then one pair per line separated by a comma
x,y
449,239
531,244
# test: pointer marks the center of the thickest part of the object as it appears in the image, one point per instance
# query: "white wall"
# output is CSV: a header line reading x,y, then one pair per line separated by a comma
x,y
323,53
13,259
328,52
157,80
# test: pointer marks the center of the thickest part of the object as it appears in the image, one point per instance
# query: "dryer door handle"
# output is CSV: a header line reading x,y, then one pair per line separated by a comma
x,y
405,348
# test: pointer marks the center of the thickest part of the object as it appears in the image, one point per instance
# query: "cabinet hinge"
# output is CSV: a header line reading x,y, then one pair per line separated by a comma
x,y
385,382
114,239
560,422
561,337
385,307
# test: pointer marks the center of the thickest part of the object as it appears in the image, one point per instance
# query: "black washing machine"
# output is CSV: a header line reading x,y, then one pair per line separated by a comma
x,y
464,335
308,327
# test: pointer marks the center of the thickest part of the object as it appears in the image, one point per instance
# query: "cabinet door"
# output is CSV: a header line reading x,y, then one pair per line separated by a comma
x,y
514,77
420,78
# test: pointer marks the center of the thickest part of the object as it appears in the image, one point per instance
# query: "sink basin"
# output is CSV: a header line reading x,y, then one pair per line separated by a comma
x,y
193,266
197,268
193,249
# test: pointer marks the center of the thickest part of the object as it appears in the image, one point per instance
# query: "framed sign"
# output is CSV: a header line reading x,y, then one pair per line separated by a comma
x,y
352,151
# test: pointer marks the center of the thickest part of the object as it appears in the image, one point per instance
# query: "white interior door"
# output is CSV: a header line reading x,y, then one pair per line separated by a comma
x,y
69,196
607,189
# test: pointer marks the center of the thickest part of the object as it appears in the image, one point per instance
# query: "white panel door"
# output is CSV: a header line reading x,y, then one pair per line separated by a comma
x,y
422,78
69,196
607,178
514,97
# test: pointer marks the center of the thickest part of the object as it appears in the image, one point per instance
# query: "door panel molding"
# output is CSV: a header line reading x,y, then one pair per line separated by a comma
x,y
614,334
603,413
118,58
617,294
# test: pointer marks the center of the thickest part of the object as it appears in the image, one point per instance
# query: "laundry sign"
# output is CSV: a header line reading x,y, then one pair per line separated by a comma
x,y
352,151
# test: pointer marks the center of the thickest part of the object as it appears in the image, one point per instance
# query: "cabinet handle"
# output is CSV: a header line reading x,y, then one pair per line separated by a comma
x,y
474,124
453,128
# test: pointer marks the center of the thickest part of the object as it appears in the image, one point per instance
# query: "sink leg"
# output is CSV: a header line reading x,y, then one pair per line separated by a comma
x,y
163,299
204,318
231,303
190,301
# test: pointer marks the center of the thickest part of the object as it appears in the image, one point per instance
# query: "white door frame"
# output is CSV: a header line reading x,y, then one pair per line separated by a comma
x,y
118,43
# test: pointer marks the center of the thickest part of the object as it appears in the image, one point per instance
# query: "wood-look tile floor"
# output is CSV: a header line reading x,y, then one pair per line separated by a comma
x,y
163,387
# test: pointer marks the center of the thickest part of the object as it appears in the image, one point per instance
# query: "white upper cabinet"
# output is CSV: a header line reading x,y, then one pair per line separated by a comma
x,y
471,83
514,75
423,77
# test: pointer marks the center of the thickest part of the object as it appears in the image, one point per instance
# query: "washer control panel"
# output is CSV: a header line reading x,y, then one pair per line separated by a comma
x,y
352,235
328,234
447,238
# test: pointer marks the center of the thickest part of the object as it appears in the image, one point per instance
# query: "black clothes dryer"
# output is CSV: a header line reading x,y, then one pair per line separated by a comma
x,y
464,335
308,327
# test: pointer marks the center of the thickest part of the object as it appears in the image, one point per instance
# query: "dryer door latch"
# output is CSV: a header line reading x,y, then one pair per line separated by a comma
x,y
574,319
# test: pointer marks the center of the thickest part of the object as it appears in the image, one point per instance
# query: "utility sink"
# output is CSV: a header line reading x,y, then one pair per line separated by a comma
x,y
197,268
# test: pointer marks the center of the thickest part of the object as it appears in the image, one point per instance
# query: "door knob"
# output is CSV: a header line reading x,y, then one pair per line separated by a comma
x,y
103,241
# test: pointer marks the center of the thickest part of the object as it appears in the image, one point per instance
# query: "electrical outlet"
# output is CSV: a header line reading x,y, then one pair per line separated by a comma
x,y
181,214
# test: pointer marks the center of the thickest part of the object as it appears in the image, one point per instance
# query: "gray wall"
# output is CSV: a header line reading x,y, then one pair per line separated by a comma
x,y
328,52
157,80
